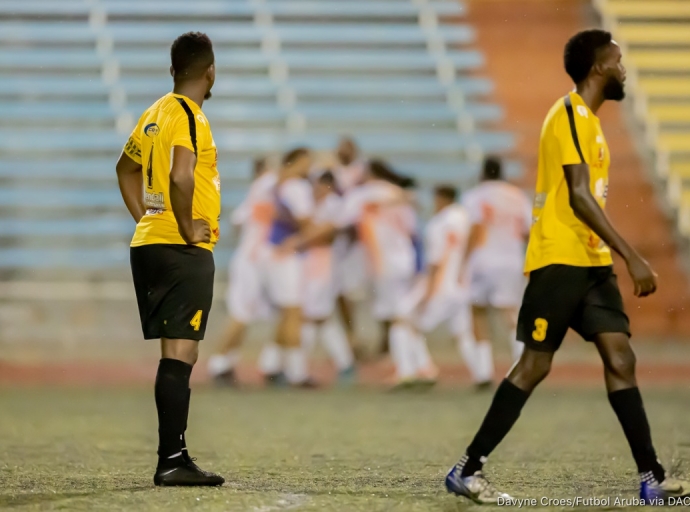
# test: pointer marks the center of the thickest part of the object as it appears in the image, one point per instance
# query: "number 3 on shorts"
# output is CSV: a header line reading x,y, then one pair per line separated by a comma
x,y
540,326
196,320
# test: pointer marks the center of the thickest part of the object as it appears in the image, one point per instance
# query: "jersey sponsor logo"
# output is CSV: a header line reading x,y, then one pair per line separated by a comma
x,y
151,130
154,200
600,139
582,110
601,189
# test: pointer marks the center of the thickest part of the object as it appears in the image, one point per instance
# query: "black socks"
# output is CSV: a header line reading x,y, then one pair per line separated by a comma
x,y
185,453
627,404
504,411
172,402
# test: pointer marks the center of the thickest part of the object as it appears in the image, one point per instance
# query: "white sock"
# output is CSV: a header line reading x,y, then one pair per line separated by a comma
x,y
516,347
296,370
335,342
402,351
309,332
421,351
270,359
221,363
485,361
467,346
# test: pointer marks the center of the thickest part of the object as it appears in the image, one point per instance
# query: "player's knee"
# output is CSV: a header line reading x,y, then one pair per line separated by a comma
x,y
182,350
531,369
621,363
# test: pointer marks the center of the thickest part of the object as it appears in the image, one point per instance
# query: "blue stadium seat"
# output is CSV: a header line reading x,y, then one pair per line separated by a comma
x,y
74,86
223,33
46,8
310,8
317,86
368,66
102,168
77,198
13,141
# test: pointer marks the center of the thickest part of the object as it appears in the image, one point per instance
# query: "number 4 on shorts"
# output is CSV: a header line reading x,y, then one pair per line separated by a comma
x,y
196,320
540,327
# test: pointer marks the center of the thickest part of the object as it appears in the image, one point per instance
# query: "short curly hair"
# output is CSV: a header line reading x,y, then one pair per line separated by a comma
x,y
191,54
581,52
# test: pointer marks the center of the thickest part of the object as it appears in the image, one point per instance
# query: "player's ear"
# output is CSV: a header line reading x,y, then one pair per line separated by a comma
x,y
211,72
599,68
172,71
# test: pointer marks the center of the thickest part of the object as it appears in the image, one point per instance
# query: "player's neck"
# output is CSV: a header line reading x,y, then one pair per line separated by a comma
x,y
193,91
592,96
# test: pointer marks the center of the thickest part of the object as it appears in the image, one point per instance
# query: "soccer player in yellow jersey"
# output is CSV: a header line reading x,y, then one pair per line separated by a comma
x,y
571,279
169,181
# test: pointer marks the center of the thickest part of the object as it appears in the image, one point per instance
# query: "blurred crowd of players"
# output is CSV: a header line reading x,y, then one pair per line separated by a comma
x,y
317,235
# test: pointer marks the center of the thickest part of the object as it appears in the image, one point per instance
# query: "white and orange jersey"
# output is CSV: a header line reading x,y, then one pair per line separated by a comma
x,y
505,212
446,237
386,223
319,259
347,177
255,214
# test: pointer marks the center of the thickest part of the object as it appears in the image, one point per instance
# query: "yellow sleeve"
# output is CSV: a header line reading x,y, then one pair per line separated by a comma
x,y
183,129
133,147
571,133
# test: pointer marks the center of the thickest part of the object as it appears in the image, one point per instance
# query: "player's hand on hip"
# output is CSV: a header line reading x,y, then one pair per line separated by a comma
x,y
642,275
201,232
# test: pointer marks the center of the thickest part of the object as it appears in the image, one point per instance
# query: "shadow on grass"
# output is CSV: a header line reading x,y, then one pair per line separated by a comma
x,y
50,497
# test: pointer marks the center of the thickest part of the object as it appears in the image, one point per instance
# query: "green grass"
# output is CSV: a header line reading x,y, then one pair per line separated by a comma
x,y
68,449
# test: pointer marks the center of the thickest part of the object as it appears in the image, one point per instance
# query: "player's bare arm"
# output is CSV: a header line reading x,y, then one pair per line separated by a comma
x,y
193,231
130,178
588,211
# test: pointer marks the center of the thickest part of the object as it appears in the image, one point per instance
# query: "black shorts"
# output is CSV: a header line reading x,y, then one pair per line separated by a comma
x,y
174,287
586,299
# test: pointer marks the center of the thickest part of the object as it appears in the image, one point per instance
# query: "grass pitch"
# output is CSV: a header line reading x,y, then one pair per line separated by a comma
x,y
349,450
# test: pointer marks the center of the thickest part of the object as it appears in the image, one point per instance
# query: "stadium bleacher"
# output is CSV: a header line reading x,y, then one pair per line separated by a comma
x,y
397,74
656,38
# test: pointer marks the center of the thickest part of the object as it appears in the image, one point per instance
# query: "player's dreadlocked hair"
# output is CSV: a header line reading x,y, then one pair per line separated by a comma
x,y
493,169
381,170
327,179
191,54
581,52
446,191
293,155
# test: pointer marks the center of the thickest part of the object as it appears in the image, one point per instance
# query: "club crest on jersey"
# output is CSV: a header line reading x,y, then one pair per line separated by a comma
x,y
151,130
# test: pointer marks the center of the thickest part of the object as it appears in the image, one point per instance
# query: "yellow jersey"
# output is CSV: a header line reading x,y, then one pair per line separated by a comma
x,y
174,120
571,134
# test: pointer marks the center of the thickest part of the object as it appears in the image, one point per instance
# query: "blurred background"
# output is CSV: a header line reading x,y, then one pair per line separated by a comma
x,y
432,86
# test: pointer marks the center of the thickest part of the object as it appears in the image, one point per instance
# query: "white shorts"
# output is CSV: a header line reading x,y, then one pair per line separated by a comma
x,y
389,295
246,296
499,287
442,307
352,270
285,280
319,289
